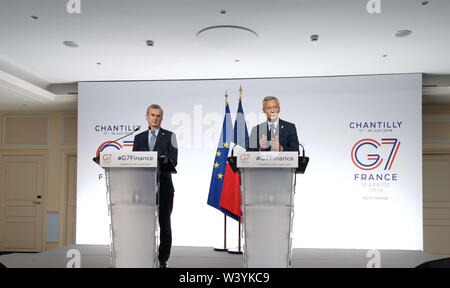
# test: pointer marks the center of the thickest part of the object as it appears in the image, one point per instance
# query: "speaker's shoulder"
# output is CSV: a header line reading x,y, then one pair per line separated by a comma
x,y
286,124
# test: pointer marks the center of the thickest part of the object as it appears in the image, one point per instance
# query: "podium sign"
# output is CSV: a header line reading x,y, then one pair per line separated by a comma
x,y
131,179
267,197
267,159
129,159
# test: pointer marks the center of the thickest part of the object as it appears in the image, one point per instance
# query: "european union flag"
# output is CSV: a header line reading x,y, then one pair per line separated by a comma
x,y
231,192
220,164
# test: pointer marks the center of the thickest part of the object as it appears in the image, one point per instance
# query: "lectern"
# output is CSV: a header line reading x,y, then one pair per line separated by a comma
x,y
267,189
131,179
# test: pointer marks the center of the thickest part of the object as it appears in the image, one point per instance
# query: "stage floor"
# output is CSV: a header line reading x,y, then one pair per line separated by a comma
x,y
97,256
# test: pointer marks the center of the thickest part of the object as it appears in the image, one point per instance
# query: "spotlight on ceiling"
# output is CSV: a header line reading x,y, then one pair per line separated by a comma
x,y
70,44
150,43
403,33
314,38
34,17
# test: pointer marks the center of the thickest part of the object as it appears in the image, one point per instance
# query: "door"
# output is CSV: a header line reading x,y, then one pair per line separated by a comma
x,y
21,202
71,202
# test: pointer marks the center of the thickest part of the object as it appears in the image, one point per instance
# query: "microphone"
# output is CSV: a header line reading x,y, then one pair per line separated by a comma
x,y
302,161
232,160
303,149
96,159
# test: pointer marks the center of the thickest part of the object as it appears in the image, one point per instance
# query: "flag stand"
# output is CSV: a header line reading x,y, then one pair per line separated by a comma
x,y
238,250
224,249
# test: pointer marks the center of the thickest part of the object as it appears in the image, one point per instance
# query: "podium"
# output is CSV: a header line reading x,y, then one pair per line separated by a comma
x,y
267,190
131,180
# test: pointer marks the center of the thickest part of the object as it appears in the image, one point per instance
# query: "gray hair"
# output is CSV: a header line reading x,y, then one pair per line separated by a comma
x,y
155,106
268,98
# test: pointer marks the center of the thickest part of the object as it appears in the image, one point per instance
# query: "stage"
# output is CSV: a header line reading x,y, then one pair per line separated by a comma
x,y
97,256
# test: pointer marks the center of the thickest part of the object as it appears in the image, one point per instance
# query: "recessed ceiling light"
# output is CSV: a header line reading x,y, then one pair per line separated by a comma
x,y
384,55
70,44
99,63
424,3
403,33
34,17
314,37
150,43
223,11
237,60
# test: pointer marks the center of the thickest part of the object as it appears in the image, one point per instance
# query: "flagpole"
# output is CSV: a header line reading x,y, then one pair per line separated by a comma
x,y
240,217
239,241
224,249
238,251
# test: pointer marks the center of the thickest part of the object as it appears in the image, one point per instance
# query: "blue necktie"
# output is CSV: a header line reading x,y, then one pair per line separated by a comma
x,y
152,140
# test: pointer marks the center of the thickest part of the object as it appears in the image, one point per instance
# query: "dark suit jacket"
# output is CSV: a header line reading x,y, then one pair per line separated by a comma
x,y
287,136
166,144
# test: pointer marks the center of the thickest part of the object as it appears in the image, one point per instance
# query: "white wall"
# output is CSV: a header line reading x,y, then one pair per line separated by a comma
x,y
332,209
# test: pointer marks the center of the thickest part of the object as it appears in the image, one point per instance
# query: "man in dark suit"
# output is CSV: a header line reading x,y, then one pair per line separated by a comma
x,y
274,134
165,143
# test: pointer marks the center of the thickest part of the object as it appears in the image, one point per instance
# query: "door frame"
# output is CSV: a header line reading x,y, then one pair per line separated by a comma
x,y
65,154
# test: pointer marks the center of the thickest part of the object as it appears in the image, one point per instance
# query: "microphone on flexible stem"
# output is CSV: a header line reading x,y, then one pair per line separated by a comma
x,y
96,159
232,160
303,149
302,161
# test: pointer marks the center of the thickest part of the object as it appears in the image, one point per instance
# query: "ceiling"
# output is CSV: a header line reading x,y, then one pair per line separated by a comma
x,y
276,42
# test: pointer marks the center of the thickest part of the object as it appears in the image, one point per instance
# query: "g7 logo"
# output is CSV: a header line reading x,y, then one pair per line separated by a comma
x,y
244,157
365,159
107,157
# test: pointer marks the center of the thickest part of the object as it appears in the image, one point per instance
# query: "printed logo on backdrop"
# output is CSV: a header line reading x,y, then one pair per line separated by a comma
x,y
374,156
115,129
113,145
107,133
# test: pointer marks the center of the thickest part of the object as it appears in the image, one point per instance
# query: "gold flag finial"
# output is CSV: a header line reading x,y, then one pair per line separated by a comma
x,y
226,98
240,93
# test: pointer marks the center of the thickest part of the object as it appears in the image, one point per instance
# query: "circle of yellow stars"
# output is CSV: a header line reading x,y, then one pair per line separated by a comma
x,y
216,165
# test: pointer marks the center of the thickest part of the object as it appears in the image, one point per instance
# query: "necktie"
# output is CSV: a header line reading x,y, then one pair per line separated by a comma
x,y
152,140
272,135
272,131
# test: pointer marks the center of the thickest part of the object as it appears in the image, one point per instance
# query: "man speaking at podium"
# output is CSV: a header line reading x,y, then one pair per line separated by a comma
x,y
165,143
274,134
